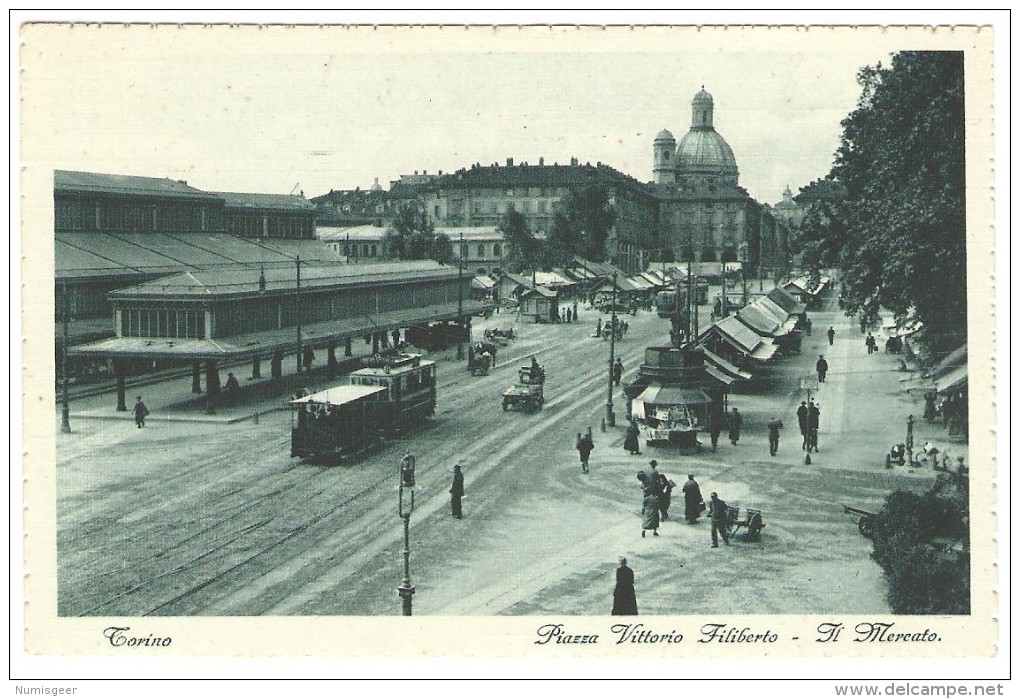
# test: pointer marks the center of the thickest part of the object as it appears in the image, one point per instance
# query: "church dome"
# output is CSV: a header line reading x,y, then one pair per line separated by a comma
x,y
703,152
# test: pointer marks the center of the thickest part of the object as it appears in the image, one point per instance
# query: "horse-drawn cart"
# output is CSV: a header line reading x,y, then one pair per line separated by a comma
x,y
527,395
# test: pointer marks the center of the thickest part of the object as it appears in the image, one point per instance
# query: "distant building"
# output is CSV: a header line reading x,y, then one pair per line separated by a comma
x,y
704,214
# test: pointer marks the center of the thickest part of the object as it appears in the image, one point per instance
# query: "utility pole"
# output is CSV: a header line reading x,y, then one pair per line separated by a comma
x,y
297,297
404,509
610,417
460,298
65,410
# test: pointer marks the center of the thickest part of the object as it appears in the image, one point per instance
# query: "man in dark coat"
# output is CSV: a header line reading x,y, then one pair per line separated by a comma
x,y
632,441
812,426
232,387
736,422
585,444
802,423
693,501
719,513
832,335
457,491
664,490
822,367
598,328
871,344
624,599
774,426
140,412
617,371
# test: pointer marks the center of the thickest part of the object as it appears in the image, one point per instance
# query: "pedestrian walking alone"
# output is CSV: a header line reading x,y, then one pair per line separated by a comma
x,y
617,371
736,422
871,343
694,503
598,328
585,444
650,513
774,426
718,511
140,412
822,367
832,335
457,492
624,599
232,388
632,440
716,417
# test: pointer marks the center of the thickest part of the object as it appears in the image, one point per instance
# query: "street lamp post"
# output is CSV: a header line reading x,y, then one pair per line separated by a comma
x,y
404,508
610,417
65,410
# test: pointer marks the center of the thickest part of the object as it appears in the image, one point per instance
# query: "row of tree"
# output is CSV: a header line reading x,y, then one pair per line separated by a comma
x,y
897,230
580,228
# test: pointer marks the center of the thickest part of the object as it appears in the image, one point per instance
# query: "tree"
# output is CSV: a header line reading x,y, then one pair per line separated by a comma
x,y
412,236
562,242
591,215
900,231
521,246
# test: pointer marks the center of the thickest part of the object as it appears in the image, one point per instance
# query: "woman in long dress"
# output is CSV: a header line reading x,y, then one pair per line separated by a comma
x,y
650,513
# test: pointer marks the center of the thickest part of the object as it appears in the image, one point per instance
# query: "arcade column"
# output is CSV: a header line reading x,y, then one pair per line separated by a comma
x,y
212,385
120,371
331,356
196,372
276,366
256,367
347,348
375,343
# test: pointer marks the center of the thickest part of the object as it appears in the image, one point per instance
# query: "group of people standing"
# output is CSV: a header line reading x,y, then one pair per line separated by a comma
x,y
807,419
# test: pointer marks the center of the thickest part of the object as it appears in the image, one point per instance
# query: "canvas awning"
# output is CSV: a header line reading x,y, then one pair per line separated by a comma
x,y
952,380
715,362
673,395
338,395
743,339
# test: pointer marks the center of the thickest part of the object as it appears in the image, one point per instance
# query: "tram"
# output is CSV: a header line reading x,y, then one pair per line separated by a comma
x,y
391,395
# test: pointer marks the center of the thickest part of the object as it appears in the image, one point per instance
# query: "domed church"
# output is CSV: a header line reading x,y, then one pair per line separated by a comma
x,y
704,213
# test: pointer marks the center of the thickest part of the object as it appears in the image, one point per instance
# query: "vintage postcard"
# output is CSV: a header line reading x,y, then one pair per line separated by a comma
x,y
565,342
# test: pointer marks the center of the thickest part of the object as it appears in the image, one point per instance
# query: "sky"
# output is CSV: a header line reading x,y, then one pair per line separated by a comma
x,y
308,109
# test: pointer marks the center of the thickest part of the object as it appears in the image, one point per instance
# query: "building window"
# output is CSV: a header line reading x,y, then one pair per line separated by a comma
x,y
162,322
497,250
464,254
435,211
373,249
481,250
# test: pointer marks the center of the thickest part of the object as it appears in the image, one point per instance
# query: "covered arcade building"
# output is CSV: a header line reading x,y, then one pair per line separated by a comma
x,y
209,319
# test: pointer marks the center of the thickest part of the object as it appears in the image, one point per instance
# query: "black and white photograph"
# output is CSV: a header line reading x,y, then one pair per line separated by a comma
x,y
515,330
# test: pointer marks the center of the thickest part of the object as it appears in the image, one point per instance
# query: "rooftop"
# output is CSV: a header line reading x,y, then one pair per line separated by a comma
x,y
251,200
74,182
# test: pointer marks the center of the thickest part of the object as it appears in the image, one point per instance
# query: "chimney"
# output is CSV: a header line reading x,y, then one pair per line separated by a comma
x,y
415,172
425,172
440,172
541,162
573,162
509,162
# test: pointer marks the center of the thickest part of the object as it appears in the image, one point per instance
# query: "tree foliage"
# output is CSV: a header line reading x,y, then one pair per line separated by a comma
x,y
909,538
899,234
591,216
412,236
522,248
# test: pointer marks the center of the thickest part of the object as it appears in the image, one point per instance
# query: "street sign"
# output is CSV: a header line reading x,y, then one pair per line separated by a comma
x,y
809,383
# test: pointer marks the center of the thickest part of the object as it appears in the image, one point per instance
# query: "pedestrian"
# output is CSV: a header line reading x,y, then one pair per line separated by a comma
x,y
864,325
140,412
832,335
719,512
715,424
807,327
664,489
736,422
585,444
774,426
457,492
308,356
694,503
871,343
568,315
802,423
653,479
812,425
232,387
650,513
617,371
822,367
632,442
598,328
575,311
624,599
